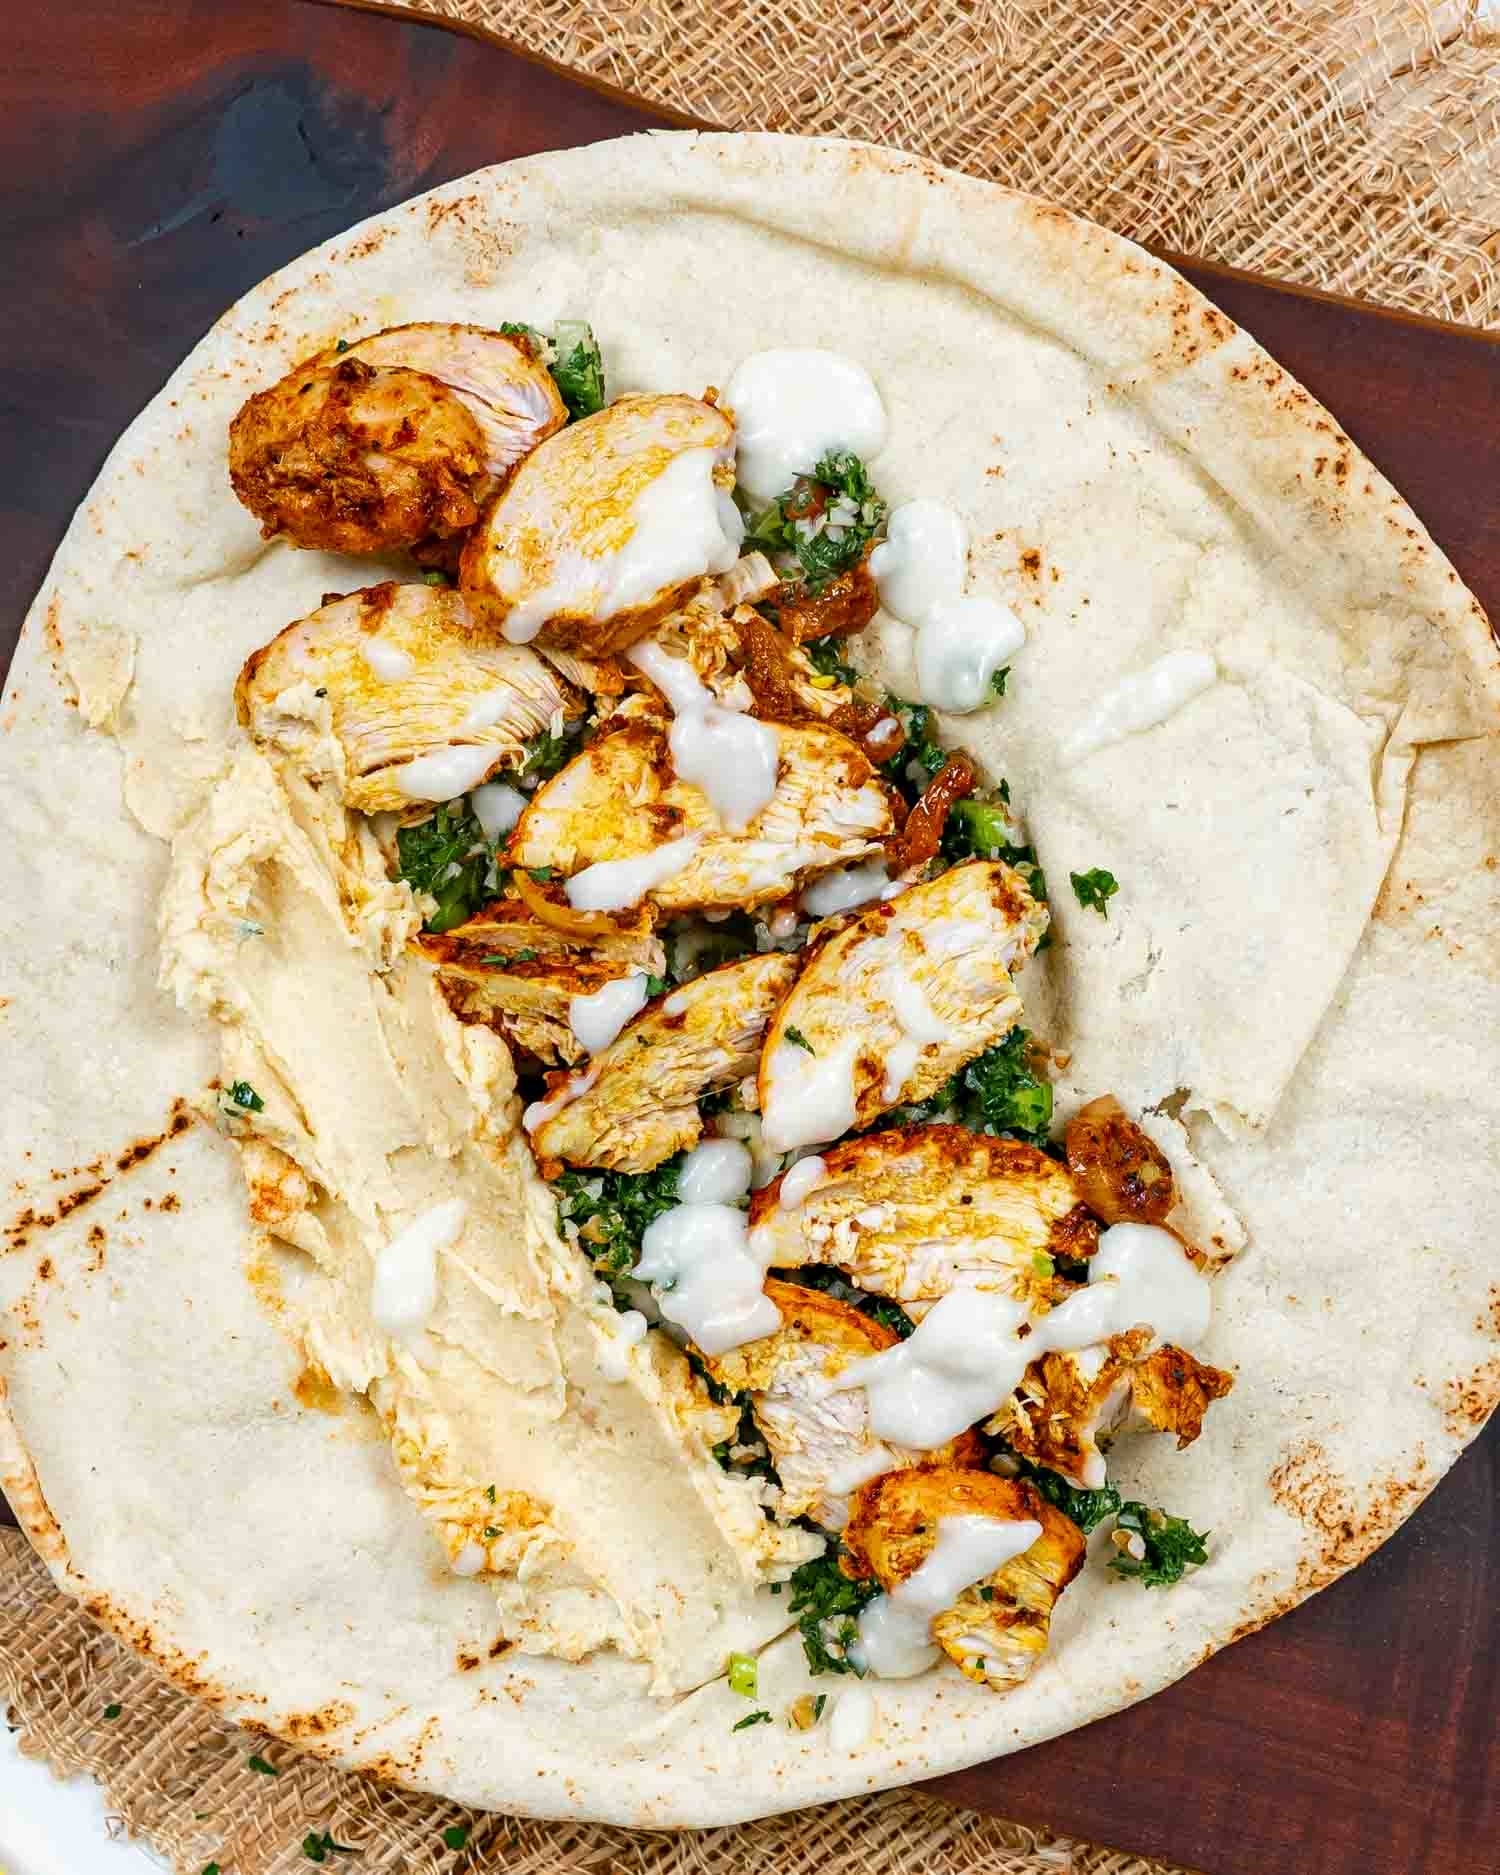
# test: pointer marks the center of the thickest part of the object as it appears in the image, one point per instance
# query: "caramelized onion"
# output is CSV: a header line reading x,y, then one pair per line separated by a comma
x,y
919,840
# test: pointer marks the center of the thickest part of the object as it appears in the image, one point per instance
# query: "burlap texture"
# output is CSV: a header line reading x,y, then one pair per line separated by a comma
x,y
1348,145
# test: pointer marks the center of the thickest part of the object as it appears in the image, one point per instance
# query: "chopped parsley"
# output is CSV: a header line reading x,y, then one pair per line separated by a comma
x,y
511,957
489,1491
823,655
456,1835
341,345
824,521
998,678
798,1039
1087,1509
243,1096
548,753
1005,1096
986,1591
434,576
1171,1544
827,1604
762,1717
258,1763
573,357
319,1848
754,1463
1095,889
744,1675
820,1703
113,1712
833,1282
981,828
448,857
210,1868
655,986
612,1210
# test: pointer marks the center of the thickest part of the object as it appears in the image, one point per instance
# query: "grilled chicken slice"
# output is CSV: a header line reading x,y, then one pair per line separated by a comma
x,y
607,526
619,799
1069,1406
896,1000
424,696
996,1632
821,1440
1123,1174
905,1213
508,969
637,1103
398,439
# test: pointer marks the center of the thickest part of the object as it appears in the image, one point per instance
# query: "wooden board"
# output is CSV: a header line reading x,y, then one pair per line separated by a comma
x,y
163,157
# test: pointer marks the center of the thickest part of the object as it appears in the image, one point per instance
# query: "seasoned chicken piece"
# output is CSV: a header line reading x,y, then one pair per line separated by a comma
x,y
905,1213
398,439
821,1440
638,1102
1123,1174
620,799
895,1000
1069,1406
515,973
607,526
424,696
996,1632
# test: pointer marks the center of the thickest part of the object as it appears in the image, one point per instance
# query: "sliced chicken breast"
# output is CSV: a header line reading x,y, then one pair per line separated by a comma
x,y
637,1103
996,1631
619,799
905,1213
896,1000
422,694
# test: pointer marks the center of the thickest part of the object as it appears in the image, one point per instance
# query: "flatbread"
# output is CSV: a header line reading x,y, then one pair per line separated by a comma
x,y
1299,978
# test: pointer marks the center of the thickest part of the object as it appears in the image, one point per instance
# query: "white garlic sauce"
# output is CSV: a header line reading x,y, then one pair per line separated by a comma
x,y
968,1353
387,662
444,774
792,406
574,1088
716,1171
405,1288
810,1099
960,646
1141,701
698,1260
469,1560
895,1630
598,1018
617,884
614,1355
682,526
497,807
920,564
730,756
845,888
853,1719
800,1179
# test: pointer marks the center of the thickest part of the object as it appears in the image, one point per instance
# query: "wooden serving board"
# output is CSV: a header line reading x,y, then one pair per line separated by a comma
x,y
159,160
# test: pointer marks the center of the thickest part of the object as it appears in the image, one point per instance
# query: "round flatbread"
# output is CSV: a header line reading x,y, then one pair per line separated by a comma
x,y
1298,982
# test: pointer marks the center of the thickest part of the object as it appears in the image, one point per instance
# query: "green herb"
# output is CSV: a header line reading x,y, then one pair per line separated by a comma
x,y
490,1533
112,1712
746,1434
1007,1096
827,1603
823,655
834,1283
489,1491
612,1210
797,1039
546,754
1042,1263
820,1703
1086,1508
744,1675
1095,889
210,1868
509,957
986,1592
578,369
997,680
655,986
456,1835
751,1718
542,874
448,857
342,345
921,749
258,1763
319,1848
980,828
824,520
244,1096
434,576
1172,1546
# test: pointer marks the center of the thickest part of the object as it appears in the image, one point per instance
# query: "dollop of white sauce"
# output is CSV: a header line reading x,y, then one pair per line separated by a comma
x,y
614,1355
617,884
968,1353
388,662
845,887
497,807
682,526
1141,701
598,1018
810,1099
698,1259
445,773
404,1292
803,1177
469,1560
716,1171
853,1719
920,1025
895,1630
791,407
960,645
731,757
574,1088
747,1126
920,563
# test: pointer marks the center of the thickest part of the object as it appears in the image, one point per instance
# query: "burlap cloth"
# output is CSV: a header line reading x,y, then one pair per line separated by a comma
x,y
1352,147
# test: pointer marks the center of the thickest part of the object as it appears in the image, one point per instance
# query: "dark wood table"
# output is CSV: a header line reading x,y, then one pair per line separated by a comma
x,y
162,158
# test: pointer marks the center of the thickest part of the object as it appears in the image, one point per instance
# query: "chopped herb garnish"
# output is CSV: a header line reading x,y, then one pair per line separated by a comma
x,y
434,576
820,1703
448,857
798,1039
997,680
113,1712
825,519
319,1848
456,1835
744,1675
489,1491
986,1592
762,1717
578,369
612,1210
655,985
1095,889
490,1533
341,345
1008,1096
1042,1263
827,1604
982,828
545,755
1171,1546
242,1095
210,1868
1087,1509
258,1763
823,655
833,1282
542,874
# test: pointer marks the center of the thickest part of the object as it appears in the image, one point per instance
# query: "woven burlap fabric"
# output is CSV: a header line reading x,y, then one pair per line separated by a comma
x,y
1353,147
181,1780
